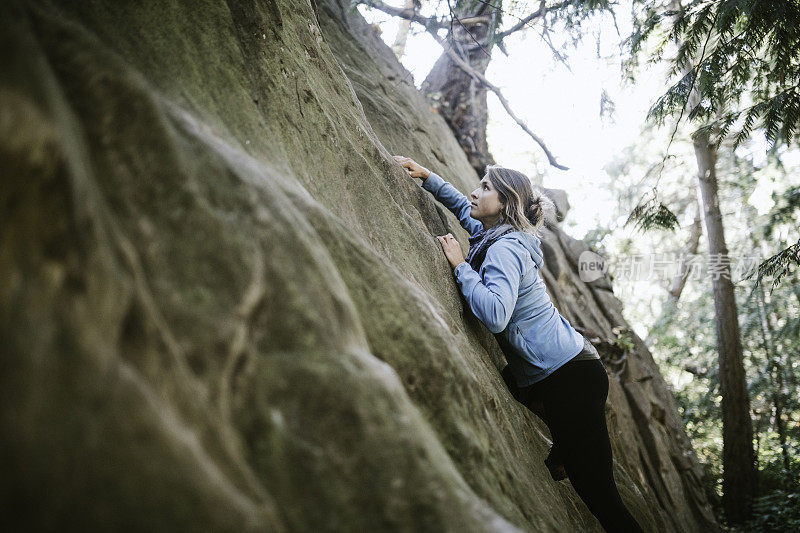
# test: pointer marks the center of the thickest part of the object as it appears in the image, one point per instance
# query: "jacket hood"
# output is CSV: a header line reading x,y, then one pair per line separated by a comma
x,y
531,243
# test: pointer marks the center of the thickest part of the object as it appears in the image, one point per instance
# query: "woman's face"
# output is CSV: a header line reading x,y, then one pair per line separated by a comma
x,y
486,205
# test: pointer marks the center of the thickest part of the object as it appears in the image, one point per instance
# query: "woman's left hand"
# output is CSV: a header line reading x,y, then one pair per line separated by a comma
x,y
452,250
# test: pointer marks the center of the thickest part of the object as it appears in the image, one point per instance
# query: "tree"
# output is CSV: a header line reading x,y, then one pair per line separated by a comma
x,y
738,464
457,85
399,45
738,459
739,66
686,344
455,92
678,283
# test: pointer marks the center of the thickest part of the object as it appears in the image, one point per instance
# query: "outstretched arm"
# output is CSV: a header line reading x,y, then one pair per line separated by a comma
x,y
492,299
445,193
453,200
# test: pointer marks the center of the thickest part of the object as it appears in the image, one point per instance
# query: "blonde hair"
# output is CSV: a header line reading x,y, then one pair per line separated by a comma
x,y
525,207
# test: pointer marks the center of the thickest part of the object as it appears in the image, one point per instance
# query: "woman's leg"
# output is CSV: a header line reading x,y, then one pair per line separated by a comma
x,y
575,397
529,397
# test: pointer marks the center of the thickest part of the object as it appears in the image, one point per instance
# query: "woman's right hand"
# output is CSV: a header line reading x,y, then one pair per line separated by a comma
x,y
414,169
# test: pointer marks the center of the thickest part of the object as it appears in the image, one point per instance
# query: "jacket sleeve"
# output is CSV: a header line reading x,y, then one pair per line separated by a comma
x,y
492,299
453,200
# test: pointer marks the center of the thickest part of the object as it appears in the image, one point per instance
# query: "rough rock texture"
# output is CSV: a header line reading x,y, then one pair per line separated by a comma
x,y
223,305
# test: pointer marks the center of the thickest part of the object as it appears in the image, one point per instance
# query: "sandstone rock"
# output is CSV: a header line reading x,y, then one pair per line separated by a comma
x,y
559,197
224,307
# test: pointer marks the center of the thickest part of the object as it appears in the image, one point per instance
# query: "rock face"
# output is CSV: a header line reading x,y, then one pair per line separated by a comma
x,y
223,305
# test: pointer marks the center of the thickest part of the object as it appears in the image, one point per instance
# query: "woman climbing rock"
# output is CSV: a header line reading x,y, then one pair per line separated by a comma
x,y
548,360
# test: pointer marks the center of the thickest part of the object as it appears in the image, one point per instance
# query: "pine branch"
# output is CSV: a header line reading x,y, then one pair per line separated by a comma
x,y
752,48
778,265
650,213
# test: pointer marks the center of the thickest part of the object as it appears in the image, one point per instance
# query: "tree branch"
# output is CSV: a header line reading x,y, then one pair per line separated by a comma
x,y
542,11
689,249
433,22
464,27
489,85
428,22
695,370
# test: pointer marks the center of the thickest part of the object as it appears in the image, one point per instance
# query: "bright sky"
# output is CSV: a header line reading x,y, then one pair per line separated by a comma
x,y
560,105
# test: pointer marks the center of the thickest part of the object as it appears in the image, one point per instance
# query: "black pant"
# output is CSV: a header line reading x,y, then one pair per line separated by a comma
x,y
574,398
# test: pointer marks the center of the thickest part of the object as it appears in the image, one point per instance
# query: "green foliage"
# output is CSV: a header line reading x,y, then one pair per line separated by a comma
x,y
786,210
777,511
684,343
780,264
784,214
737,62
624,338
651,213
685,349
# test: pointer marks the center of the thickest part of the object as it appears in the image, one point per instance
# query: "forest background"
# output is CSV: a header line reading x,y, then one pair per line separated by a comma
x,y
639,100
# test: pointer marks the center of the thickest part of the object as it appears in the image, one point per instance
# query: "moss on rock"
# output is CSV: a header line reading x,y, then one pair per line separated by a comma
x,y
223,304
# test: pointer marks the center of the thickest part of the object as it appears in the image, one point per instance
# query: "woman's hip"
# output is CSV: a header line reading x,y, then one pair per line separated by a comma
x,y
584,381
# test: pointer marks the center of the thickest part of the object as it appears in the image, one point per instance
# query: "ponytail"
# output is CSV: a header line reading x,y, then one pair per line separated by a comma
x,y
541,210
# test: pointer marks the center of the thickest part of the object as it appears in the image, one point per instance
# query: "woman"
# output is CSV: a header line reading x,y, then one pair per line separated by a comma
x,y
547,358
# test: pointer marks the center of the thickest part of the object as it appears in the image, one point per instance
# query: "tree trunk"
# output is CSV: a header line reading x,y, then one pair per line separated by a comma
x,y
738,479
399,45
759,417
679,281
775,369
780,427
459,98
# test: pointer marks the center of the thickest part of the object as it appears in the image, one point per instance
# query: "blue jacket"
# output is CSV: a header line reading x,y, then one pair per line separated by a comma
x,y
509,296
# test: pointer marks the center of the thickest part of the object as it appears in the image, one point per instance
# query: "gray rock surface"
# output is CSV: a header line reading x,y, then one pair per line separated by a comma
x,y
223,305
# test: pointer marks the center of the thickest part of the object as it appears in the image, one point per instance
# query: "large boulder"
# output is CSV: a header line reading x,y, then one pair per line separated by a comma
x,y
223,305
